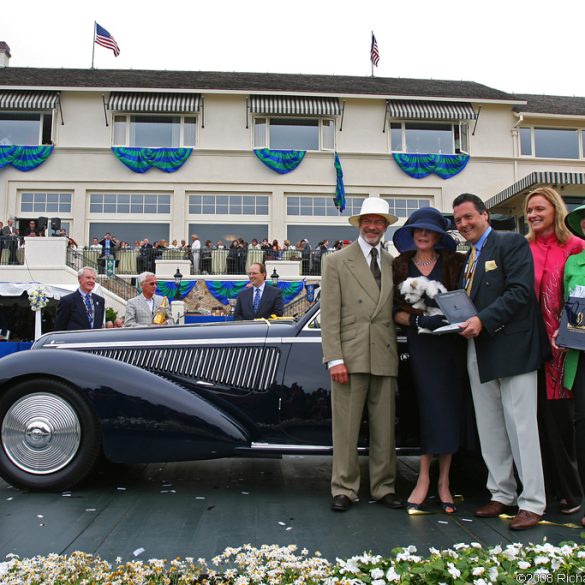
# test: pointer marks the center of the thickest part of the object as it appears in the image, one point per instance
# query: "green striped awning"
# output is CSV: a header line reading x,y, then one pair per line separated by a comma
x,y
531,181
28,100
419,110
294,105
154,102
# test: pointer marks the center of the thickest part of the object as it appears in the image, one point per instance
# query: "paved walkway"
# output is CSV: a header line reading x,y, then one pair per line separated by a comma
x,y
200,508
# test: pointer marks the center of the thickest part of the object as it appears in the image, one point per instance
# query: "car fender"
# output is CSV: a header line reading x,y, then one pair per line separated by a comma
x,y
144,417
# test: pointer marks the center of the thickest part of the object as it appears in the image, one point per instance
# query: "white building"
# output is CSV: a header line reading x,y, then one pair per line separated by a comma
x,y
504,144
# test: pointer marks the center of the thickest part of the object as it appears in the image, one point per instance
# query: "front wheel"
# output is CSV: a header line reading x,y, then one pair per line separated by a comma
x,y
49,436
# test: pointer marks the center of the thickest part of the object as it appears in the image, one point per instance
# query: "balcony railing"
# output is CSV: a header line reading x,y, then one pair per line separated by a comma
x,y
235,261
10,252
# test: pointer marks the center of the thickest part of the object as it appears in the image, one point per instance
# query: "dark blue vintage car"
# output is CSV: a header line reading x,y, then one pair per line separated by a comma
x,y
178,393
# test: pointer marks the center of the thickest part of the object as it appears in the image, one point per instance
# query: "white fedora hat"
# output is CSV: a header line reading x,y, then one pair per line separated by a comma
x,y
374,206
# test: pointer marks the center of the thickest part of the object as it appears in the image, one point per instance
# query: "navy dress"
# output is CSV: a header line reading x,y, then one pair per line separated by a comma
x,y
439,370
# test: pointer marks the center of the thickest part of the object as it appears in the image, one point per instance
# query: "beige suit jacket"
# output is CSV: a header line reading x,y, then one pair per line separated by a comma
x,y
356,318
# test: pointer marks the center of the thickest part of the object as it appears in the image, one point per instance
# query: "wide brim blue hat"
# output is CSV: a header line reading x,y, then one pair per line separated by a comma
x,y
427,218
573,221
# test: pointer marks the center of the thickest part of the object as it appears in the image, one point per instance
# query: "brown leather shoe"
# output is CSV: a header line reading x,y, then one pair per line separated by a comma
x,y
340,503
492,510
524,519
391,501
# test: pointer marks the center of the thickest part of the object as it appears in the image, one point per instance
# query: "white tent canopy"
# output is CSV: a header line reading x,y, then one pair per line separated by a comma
x,y
15,289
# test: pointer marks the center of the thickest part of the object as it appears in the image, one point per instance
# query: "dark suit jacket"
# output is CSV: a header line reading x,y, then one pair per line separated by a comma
x,y
270,304
513,340
72,314
113,247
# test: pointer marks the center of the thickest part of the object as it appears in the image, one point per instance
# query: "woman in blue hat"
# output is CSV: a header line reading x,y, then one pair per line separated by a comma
x,y
574,377
438,363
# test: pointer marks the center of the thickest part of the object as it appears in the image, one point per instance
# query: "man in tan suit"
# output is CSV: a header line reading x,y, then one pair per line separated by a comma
x,y
359,348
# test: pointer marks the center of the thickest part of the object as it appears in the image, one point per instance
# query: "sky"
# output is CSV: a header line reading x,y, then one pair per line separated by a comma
x,y
516,46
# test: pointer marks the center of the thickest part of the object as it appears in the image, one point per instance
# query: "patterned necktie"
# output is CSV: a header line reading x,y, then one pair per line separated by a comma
x,y
470,270
375,268
256,302
89,308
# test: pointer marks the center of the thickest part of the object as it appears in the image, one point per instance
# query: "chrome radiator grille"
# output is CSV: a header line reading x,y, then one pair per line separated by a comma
x,y
245,368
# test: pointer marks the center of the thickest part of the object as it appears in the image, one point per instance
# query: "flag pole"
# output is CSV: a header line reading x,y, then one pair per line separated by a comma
x,y
371,62
93,44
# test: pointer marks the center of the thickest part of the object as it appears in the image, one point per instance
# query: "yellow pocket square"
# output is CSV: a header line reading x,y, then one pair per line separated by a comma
x,y
490,265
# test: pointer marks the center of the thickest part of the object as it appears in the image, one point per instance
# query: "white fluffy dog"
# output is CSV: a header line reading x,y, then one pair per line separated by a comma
x,y
419,288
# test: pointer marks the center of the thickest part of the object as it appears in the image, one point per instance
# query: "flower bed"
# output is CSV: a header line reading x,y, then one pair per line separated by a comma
x,y
273,565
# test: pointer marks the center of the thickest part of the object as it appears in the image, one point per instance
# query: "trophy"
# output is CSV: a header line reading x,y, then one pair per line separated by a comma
x,y
160,317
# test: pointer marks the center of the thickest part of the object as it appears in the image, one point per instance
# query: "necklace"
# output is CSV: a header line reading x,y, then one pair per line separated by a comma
x,y
425,262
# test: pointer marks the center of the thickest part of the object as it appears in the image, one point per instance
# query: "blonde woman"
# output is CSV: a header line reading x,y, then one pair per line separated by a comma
x,y
551,243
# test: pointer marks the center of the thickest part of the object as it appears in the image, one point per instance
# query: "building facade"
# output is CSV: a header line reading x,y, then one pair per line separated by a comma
x,y
168,154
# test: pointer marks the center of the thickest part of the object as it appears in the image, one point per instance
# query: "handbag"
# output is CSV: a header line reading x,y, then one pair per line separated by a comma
x,y
572,327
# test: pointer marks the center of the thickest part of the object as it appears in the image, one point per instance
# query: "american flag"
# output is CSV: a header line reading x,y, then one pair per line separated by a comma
x,y
374,53
105,39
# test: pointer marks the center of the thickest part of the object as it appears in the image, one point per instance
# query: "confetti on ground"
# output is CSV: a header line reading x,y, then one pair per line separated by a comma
x,y
66,495
90,509
138,551
121,489
40,516
282,523
246,493
466,520
443,522
10,498
289,527
199,497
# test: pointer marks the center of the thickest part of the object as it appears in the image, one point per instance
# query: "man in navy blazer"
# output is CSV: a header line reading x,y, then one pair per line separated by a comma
x,y
506,347
73,312
270,297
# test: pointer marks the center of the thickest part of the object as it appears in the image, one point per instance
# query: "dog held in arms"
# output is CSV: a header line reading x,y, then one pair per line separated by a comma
x,y
418,291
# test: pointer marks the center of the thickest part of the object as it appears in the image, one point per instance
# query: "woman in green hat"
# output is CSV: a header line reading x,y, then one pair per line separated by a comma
x,y
574,275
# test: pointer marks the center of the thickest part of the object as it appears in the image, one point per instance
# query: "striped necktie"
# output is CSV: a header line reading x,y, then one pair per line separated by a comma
x,y
470,270
89,307
256,302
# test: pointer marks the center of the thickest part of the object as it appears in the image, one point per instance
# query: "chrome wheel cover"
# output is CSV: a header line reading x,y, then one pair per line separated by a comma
x,y
41,433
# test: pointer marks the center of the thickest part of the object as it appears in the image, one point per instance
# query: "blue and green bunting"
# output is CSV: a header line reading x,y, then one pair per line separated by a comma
x,y
24,158
419,166
339,199
169,288
281,161
141,160
224,290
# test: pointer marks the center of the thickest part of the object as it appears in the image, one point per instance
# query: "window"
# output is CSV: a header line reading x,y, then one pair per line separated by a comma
x,y
311,205
24,129
550,142
152,131
429,137
50,203
404,207
135,203
228,204
294,133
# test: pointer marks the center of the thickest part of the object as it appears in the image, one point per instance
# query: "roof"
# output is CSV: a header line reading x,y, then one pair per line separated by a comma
x,y
105,79
552,104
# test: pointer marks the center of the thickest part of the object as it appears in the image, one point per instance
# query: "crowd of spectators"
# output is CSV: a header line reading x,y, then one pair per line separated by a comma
x,y
199,253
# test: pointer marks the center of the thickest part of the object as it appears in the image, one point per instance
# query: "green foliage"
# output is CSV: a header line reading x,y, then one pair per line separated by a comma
x,y
111,314
273,565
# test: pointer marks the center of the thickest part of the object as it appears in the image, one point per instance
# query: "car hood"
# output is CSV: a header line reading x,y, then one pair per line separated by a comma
x,y
239,330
